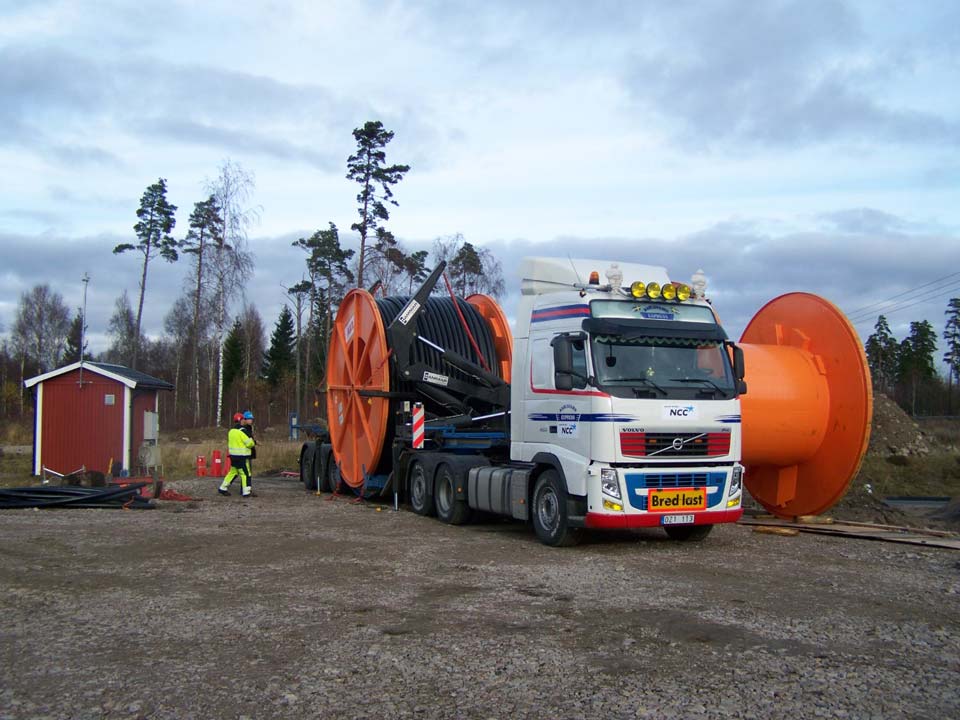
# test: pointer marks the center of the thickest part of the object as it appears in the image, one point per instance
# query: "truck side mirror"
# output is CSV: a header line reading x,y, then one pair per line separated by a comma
x,y
562,362
739,370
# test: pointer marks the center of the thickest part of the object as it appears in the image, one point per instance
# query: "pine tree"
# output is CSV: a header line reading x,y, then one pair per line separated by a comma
x,y
367,167
156,222
75,335
233,365
951,334
916,358
206,232
278,361
882,356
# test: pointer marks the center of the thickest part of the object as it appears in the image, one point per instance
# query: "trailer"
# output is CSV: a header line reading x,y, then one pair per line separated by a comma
x,y
615,404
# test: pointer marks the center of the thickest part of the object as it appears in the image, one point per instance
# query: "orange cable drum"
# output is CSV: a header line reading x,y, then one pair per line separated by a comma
x,y
358,360
806,415
361,426
500,329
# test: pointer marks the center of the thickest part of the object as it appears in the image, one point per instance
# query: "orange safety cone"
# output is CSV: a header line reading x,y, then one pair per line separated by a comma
x,y
226,465
201,465
217,464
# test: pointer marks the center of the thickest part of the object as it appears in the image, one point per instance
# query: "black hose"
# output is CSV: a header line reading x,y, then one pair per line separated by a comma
x,y
68,496
440,324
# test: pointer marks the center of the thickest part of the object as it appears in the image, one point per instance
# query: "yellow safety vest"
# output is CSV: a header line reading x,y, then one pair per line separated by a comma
x,y
239,442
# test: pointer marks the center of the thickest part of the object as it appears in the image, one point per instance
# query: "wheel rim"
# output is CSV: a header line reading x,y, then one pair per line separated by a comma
x,y
548,509
444,492
418,486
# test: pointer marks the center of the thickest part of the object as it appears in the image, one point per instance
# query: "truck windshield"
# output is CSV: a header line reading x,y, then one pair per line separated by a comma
x,y
649,366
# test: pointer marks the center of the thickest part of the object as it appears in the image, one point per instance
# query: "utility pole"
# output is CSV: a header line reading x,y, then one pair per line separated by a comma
x,y
83,322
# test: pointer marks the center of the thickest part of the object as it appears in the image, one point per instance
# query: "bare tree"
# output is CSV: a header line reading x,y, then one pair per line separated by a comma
x,y
232,262
179,327
41,326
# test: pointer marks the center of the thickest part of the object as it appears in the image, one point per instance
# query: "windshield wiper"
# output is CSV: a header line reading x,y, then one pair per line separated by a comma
x,y
644,380
700,380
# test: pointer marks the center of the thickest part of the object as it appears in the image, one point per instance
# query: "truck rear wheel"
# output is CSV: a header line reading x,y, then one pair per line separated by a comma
x,y
306,466
418,485
550,512
332,480
688,533
450,510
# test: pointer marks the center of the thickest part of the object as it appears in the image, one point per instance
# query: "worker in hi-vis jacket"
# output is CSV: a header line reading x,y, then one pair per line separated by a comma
x,y
240,448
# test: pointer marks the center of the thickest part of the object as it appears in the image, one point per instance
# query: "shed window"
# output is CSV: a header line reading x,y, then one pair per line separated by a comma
x,y
110,399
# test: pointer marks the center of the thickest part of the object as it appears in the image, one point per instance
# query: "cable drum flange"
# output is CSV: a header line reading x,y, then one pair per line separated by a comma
x,y
360,424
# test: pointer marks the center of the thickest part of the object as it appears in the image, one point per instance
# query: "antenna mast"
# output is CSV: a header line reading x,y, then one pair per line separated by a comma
x,y
83,322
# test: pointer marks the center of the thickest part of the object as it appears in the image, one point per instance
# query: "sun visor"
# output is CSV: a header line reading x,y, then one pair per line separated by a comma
x,y
655,328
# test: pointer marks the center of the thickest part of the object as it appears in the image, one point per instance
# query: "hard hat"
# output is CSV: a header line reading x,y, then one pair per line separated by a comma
x,y
248,415
237,417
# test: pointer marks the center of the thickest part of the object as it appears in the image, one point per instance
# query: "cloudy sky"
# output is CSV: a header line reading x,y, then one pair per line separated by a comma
x,y
780,146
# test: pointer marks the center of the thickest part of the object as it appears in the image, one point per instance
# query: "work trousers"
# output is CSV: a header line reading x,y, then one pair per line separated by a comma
x,y
238,466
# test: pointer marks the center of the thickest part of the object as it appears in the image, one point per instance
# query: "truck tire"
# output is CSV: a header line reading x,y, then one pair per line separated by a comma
x,y
332,480
306,465
317,470
418,484
450,509
688,533
549,512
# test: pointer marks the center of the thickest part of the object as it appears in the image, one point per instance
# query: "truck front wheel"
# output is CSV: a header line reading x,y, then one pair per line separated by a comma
x,y
550,512
450,509
688,533
421,501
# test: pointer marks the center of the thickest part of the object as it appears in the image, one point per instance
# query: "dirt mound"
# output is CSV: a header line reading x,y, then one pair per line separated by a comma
x,y
894,433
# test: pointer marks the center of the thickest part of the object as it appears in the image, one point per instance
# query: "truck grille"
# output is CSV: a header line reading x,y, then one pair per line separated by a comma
x,y
638,484
672,445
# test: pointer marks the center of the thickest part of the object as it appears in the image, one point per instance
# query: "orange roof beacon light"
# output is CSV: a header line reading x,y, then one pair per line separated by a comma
x,y
806,415
594,277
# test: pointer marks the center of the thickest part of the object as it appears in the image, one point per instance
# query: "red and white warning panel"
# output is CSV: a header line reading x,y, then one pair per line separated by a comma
x,y
417,426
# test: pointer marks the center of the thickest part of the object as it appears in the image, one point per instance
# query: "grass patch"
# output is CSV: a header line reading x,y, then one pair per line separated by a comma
x,y
936,474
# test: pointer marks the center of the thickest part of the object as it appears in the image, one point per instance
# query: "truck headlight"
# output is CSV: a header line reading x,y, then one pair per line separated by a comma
x,y
609,482
736,480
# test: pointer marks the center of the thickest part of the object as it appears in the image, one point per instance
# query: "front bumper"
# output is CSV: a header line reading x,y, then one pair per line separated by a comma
x,y
614,521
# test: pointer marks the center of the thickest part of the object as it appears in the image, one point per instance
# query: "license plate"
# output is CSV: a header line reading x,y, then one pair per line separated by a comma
x,y
676,520
663,501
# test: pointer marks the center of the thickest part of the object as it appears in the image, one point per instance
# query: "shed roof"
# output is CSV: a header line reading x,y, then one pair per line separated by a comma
x,y
128,376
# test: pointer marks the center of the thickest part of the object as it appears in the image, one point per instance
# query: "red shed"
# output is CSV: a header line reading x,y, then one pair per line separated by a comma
x,y
92,414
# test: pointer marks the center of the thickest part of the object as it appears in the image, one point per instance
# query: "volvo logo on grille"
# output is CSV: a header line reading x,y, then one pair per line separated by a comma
x,y
677,443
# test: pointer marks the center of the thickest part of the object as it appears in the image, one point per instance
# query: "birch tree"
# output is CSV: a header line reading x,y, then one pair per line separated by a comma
x,y
232,262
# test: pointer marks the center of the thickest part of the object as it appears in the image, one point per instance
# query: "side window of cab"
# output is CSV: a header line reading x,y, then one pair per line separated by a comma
x,y
579,365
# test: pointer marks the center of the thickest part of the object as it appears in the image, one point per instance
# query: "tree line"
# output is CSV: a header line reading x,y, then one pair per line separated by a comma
x,y
905,370
213,348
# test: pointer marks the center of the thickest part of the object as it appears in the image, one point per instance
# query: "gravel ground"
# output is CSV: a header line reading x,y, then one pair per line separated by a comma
x,y
288,605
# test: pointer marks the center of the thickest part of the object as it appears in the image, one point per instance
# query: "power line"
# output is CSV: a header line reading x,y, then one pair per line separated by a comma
x,y
904,304
858,311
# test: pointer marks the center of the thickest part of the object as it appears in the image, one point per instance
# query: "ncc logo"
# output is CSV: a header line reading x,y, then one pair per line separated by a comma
x,y
679,412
